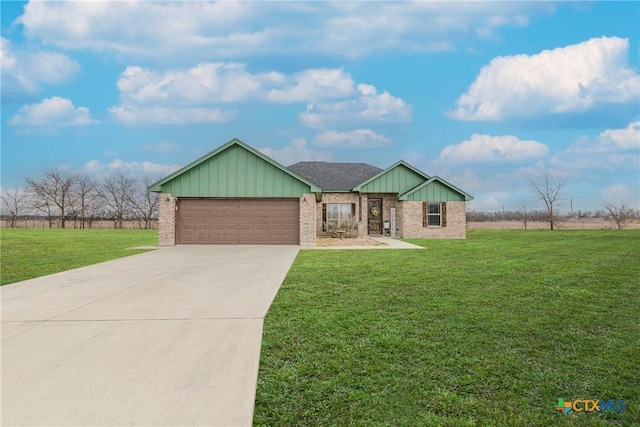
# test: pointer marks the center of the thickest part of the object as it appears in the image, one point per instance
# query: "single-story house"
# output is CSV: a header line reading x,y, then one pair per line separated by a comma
x,y
238,195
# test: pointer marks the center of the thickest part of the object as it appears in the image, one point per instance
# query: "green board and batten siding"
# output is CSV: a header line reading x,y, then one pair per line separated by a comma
x,y
436,190
398,178
235,170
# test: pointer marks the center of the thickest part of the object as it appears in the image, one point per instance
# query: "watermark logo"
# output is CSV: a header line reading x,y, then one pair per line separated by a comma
x,y
588,405
563,406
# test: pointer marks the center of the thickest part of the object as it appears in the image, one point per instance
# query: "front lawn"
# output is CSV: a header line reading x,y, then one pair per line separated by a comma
x,y
34,252
490,331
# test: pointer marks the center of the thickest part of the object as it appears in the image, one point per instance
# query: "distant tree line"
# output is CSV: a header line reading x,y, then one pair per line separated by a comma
x,y
75,200
617,213
550,191
474,215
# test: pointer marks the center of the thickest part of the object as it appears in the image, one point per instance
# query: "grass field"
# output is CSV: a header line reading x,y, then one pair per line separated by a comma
x,y
490,331
29,253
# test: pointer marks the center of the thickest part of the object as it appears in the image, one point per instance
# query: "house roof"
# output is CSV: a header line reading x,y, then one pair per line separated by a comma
x,y
335,176
238,170
192,179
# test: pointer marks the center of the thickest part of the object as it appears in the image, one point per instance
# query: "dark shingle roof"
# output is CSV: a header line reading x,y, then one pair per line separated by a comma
x,y
335,176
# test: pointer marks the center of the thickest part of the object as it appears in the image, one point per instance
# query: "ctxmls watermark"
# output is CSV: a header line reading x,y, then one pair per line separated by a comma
x,y
588,405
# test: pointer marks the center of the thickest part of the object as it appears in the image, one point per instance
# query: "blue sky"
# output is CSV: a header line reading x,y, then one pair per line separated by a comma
x,y
486,95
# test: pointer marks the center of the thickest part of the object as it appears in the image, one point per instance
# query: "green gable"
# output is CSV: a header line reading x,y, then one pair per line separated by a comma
x,y
234,170
436,190
397,178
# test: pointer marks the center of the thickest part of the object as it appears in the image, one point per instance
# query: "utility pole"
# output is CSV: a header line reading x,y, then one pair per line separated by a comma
x,y
571,204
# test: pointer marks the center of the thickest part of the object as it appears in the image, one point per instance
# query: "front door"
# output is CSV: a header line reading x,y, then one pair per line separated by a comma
x,y
375,216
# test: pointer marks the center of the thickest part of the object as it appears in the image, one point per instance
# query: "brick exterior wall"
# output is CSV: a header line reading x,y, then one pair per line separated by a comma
x,y
388,201
362,223
408,217
400,220
308,219
166,219
410,220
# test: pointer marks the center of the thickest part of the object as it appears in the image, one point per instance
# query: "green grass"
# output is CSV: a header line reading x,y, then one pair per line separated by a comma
x,y
490,331
29,253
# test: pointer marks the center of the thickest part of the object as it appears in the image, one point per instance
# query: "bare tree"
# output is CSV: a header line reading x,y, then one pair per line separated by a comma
x,y
549,190
53,194
13,202
115,191
43,205
86,200
524,212
95,206
619,213
143,202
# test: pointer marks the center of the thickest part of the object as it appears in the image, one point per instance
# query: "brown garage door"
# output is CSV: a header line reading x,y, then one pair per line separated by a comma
x,y
238,221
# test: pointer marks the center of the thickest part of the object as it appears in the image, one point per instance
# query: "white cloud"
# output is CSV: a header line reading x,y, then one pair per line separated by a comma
x,y
143,29
612,150
133,115
487,148
617,193
574,78
577,160
205,83
146,167
313,85
162,146
623,139
96,167
134,28
368,107
92,167
185,96
209,83
359,138
26,71
52,112
296,151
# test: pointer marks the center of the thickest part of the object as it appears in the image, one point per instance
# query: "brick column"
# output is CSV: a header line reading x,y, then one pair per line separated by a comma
x,y
308,219
167,219
363,224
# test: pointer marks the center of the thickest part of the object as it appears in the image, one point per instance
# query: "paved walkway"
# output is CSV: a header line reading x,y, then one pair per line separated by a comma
x,y
166,338
389,243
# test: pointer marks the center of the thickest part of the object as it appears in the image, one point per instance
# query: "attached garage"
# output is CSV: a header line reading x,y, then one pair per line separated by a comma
x,y
238,221
234,195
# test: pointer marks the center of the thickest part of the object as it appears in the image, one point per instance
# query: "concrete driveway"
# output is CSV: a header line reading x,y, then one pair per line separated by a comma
x,y
169,337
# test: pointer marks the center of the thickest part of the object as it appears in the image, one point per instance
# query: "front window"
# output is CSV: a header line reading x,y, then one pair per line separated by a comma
x,y
434,215
339,215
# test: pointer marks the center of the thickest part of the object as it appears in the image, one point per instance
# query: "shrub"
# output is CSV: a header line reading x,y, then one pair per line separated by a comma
x,y
351,228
